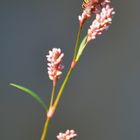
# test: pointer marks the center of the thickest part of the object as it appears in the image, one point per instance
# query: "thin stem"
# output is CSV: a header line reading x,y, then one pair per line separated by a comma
x,y
69,72
45,129
77,42
52,96
62,88
44,134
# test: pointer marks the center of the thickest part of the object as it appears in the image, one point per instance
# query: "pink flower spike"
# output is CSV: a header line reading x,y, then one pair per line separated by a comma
x,y
68,135
101,23
55,66
91,7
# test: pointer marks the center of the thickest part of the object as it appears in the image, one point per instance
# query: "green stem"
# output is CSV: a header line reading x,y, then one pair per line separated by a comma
x,y
44,134
62,88
52,96
69,72
77,42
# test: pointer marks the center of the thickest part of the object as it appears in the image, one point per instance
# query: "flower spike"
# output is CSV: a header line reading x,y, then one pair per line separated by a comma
x,y
55,66
101,23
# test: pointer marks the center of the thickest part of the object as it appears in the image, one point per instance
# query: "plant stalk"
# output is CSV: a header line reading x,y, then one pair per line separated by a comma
x,y
44,133
45,130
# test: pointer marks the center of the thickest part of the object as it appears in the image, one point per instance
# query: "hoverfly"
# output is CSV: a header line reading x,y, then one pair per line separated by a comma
x,y
89,3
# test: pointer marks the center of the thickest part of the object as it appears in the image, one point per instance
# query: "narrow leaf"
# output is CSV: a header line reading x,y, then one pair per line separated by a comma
x,y
81,48
32,93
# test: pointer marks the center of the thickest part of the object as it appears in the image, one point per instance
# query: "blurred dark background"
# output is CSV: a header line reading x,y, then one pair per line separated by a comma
x,y
102,99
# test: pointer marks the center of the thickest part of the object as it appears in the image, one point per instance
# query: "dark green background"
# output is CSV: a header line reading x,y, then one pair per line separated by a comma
x,y
102,99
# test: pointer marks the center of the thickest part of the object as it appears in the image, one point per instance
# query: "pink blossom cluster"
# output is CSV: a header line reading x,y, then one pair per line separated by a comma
x,y
68,135
94,6
101,22
55,66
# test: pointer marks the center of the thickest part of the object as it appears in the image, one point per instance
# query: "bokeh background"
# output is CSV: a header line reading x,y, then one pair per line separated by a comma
x,y
102,99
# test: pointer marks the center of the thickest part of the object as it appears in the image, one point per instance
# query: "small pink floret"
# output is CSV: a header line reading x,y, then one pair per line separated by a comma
x,y
68,135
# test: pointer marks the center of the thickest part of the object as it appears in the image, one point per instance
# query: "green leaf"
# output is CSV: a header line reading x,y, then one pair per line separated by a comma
x,y
30,92
81,48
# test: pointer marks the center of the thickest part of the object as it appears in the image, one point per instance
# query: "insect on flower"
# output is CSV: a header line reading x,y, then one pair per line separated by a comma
x,y
94,3
94,6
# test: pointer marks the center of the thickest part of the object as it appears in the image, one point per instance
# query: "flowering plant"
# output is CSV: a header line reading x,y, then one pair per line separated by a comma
x,y
103,18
